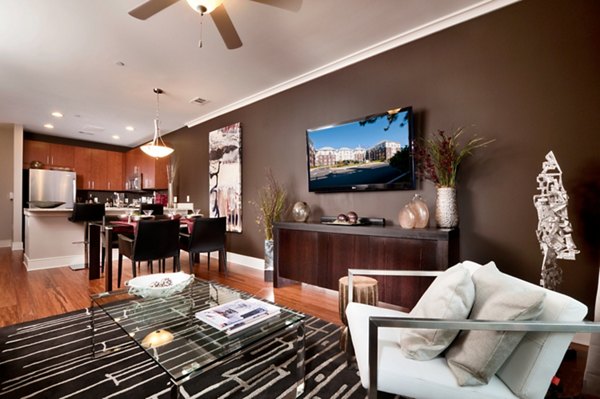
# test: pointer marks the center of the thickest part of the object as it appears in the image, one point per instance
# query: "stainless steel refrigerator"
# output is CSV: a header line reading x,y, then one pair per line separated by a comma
x,y
48,186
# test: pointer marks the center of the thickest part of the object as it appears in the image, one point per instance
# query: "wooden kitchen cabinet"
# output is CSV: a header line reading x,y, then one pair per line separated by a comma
x,y
153,171
98,169
83,167
50,154
114,169
98,172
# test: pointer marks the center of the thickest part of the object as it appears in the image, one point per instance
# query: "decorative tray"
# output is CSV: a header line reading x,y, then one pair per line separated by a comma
x,y
159,285
339,222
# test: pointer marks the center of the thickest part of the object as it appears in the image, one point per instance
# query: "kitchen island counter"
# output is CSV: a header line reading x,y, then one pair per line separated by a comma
x,y
51,240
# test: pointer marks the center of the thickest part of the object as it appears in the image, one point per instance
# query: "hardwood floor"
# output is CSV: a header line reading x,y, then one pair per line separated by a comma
x,y
32,295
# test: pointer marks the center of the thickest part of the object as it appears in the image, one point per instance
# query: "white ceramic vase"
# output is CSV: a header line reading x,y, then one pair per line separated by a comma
x,y
446,210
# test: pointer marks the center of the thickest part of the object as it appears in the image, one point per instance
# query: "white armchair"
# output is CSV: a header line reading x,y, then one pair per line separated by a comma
x,y
524,372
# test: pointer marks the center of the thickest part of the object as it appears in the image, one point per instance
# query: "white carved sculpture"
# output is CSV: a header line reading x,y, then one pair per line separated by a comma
x,y
553,229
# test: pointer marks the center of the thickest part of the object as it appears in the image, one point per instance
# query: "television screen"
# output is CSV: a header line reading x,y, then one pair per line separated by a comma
x,y
370,153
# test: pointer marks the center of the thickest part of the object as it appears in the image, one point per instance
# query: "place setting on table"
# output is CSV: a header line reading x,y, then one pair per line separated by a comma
x,y
128,222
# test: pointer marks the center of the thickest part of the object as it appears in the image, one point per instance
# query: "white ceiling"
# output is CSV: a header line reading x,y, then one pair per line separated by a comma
x,y
61,55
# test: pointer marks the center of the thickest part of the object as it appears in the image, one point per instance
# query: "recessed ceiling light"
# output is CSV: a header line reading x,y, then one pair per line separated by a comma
x,y
116,137
57,114
49,126
129,128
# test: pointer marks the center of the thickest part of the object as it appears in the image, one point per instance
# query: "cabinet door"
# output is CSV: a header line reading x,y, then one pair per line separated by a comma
x,y
160,172
114,168
345,251
35,151
82,159
299,256
402,254
146,164
98,169
62,155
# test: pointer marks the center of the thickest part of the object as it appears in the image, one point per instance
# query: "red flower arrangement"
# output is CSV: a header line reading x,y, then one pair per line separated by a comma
x,y
438,158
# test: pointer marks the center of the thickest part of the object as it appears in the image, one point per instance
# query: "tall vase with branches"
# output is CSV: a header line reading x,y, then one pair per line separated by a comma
x,y
271,204
171,172
438,159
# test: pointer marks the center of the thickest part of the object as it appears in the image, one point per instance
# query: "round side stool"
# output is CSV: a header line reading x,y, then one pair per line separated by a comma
x,y
364,291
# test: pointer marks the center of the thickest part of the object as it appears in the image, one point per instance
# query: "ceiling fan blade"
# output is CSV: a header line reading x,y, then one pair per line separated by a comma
x,y
226,28
289,5
151,7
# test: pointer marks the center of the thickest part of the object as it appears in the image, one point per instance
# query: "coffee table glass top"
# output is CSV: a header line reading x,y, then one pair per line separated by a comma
x,y
167,329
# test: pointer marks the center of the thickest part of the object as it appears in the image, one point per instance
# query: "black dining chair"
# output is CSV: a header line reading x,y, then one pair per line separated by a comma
x,y
208,234
86,213
153,240
115,237
157,209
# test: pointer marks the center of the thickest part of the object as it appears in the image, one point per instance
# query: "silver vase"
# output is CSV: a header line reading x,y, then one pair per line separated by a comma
x,y
446,210
268,255
269,261
170,196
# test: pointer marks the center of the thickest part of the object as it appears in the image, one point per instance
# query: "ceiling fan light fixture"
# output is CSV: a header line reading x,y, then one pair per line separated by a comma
x,y
204,6
157,148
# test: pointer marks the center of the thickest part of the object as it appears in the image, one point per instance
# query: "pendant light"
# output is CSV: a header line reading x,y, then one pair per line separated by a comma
x,y
157,148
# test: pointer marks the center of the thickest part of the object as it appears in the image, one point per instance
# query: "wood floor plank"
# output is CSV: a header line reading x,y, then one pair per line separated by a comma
x,y
32,295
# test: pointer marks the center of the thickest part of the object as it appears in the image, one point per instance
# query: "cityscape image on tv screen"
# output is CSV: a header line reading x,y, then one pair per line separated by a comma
x,y
371,153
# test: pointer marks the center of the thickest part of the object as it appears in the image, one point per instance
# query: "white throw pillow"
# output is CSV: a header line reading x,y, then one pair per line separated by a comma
x,y
476,355
450,296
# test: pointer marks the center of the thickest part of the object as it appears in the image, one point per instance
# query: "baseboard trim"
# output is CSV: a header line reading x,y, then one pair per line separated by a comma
x,y
5,243
50,263
244,260
17,245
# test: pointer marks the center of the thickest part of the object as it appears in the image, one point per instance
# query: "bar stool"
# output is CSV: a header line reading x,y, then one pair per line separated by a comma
x,y
364,291
86,213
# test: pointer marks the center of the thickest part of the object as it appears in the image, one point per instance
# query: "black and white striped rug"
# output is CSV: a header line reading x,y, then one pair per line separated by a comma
x,y
51,358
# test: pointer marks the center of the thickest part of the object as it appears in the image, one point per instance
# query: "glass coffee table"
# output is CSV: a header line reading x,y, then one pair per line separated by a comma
x,y
183,346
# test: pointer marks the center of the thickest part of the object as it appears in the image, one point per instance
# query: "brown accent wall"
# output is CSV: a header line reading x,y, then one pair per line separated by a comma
x,y
526,75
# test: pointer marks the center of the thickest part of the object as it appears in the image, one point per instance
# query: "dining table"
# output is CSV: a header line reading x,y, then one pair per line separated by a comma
x,y
99,231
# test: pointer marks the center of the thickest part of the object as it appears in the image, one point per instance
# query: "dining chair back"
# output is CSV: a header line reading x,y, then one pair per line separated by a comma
x,y
153,240
157,209
207,235
83,212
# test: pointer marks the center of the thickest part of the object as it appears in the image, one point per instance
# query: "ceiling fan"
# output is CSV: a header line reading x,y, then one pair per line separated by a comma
x,y
216,9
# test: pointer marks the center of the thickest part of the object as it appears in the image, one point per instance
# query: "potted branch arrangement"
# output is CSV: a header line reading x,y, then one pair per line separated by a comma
x,y
272,204
438,159
171,172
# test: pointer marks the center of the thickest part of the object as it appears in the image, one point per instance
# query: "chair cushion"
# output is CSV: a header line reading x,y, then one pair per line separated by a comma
x,y
450,296
399,375
530,368
475,356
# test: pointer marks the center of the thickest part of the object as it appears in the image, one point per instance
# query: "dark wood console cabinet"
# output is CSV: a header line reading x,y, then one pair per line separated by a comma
x,y
320,254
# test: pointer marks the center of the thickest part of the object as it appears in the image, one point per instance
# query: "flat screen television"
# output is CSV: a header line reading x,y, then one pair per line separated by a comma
x,y
365,154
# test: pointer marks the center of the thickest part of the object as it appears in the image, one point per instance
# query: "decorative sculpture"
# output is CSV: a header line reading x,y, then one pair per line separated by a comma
x,y
553,229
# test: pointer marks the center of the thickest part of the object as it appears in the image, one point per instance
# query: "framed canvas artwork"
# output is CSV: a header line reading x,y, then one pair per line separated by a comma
x,y
225,175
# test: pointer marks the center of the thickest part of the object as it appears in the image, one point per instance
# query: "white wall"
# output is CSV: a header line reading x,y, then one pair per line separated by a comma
x,y
6,184
17,227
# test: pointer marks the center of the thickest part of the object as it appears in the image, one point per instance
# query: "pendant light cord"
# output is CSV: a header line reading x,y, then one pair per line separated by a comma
x,y
157,120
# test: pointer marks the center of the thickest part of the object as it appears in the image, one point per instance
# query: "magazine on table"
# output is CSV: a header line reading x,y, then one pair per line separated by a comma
x,y
238,314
